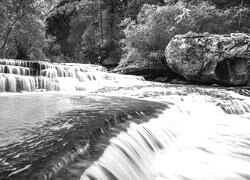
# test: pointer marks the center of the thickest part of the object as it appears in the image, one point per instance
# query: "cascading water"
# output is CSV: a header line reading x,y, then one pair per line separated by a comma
x,y
122,128
194,139
18,76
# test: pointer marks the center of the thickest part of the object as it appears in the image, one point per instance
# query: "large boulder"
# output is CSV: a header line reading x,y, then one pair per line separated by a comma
x,y
208,58
138,64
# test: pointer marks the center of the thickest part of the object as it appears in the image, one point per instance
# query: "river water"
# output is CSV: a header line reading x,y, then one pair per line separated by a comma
x,y
124,128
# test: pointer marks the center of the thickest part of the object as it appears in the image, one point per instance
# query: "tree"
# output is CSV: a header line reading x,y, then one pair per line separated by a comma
x,y
72,20
22,27
148,35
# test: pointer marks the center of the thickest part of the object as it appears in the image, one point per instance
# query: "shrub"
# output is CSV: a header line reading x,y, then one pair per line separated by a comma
x,y
156,25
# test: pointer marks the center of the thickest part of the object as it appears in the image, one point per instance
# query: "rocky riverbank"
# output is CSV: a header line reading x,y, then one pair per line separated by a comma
x,y
198,59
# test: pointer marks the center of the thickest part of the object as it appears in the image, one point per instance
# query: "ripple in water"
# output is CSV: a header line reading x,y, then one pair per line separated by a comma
x,y
204,134
46,143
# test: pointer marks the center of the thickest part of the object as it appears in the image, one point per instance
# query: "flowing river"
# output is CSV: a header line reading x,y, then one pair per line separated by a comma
x,y
79,122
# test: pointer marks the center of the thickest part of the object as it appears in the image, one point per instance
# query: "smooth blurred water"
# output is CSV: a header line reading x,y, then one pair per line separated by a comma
x,y
21,113
42,130
204,134
117,127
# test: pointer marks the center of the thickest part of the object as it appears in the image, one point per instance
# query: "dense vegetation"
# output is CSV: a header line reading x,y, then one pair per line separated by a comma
x,y
22,29
104,31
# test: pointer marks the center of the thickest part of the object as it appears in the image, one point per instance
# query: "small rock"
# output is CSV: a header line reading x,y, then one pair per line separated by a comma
x,y
161,79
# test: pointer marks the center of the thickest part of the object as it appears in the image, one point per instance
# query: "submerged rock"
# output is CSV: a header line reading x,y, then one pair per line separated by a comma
x,y
162,79
208,58
243,91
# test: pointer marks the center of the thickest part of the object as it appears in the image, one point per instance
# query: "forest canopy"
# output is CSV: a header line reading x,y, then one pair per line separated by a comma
x,y
104,31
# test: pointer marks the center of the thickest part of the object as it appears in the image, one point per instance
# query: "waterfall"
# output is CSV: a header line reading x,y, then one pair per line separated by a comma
x,y
128,129
18,76
197,138
40,145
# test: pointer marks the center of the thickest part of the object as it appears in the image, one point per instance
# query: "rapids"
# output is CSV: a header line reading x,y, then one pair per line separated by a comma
x,y
79,122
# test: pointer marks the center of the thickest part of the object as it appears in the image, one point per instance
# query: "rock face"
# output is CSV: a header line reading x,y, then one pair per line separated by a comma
x,y
207,58
137,64
58,25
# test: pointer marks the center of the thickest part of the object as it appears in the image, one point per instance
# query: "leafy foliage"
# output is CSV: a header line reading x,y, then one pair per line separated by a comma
x,y
92,31
22,29
94,27
156,25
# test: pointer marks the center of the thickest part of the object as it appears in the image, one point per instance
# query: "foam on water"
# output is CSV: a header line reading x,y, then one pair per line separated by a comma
x,y
194,139
19,76
204,133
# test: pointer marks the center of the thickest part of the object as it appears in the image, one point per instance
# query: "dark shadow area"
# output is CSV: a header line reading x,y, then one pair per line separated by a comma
x,y
222,71
230,70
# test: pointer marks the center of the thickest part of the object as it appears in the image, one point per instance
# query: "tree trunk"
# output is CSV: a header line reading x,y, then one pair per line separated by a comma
x,y
101,20
240,20
2,48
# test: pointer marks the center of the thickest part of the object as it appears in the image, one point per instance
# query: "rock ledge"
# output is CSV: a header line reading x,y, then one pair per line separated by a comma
x,y
208,58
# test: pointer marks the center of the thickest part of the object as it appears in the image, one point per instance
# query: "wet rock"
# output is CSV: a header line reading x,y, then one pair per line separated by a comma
x,y
244,92
110,62
179,81
162,79
208,58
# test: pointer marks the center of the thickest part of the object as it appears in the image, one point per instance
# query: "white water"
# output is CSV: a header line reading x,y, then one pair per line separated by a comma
x,y
195,139
205,134
19,76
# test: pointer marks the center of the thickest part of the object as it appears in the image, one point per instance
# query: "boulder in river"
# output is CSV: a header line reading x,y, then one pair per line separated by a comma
x,y
137,63
209,58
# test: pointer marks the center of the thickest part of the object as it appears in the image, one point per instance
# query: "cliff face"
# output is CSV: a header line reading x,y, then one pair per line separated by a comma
x,y
86,31
58,26
208,58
